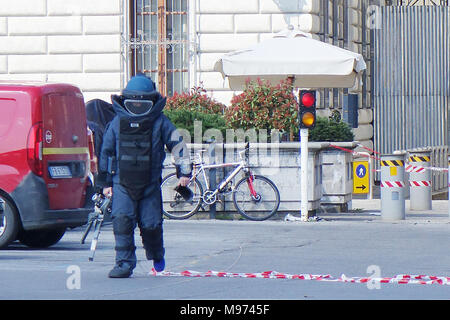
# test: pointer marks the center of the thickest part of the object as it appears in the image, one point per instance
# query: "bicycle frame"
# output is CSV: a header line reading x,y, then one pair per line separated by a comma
x,y
241,165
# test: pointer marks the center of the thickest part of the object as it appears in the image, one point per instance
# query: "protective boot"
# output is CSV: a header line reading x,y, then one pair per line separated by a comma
x,y
123,229
120,271
152,239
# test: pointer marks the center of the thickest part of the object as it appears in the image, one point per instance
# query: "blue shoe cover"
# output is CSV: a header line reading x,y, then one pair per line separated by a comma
x,y
159,265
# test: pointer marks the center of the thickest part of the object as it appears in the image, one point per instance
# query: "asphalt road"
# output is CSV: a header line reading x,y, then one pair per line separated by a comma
x,y
329,246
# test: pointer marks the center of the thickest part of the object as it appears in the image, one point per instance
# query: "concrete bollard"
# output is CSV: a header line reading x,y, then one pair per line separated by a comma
x,y
420,191
392,187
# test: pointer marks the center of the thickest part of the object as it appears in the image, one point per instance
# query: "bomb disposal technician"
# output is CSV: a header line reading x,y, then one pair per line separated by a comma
x,y
130,168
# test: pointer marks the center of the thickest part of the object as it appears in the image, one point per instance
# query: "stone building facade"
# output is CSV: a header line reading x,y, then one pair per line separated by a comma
x,y
73,41
97,45
223,26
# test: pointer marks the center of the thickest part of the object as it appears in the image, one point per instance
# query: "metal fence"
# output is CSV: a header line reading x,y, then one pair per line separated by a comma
x,y
411,82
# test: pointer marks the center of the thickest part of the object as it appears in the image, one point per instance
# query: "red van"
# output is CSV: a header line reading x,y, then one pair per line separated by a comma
x,y
44,162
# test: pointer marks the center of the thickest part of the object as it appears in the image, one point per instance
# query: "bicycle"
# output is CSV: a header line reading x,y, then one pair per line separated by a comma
x,y
255,197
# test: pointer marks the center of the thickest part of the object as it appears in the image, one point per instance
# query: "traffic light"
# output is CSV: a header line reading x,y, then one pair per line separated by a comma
x,y
307,110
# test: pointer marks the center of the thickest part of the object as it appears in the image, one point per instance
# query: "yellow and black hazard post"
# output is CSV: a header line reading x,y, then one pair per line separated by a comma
x,y
392,187
420,195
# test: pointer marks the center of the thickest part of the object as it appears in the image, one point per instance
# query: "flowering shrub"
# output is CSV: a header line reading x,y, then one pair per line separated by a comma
x,y
195,100
263,106
184,108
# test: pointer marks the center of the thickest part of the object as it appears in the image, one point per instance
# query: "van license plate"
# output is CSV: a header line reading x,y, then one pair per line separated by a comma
x,y
60,172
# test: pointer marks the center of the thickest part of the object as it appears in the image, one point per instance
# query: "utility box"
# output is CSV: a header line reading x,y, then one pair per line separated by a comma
x,y
337,175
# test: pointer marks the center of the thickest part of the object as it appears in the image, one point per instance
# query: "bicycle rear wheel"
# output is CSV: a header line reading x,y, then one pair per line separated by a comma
x,y
174,206
256,198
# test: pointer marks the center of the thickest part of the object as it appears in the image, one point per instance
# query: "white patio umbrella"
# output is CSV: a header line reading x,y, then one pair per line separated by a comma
x,y
292,53
313,63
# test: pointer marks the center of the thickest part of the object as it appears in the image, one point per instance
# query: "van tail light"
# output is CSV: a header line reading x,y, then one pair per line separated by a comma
x,y
92,156
34,149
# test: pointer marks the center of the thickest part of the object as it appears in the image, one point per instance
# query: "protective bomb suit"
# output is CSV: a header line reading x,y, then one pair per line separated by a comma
x,y
132,156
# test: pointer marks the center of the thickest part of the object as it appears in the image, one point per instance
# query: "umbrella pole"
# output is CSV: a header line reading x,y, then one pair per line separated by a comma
x,y
304,173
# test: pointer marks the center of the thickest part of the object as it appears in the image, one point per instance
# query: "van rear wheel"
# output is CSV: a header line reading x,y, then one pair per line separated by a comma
x,y
41,238
9,221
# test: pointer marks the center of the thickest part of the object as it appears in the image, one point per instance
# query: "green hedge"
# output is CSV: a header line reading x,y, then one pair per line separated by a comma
x,y
331,129
184,119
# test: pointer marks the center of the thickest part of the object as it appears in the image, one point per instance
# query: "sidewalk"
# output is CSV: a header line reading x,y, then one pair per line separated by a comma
x,y
370,210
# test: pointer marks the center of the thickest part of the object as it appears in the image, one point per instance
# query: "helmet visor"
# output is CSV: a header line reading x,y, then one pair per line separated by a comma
x,y
138,107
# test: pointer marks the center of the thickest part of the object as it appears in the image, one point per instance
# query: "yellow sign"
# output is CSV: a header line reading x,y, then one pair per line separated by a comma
x,y
361,177
393,171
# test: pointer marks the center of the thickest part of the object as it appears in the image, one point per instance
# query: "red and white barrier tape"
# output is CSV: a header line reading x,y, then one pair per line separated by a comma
x,y
364,147
420,183
392,184
401,279
411,168
355,153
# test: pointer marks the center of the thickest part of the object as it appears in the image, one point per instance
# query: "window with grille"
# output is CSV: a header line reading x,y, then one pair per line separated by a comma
x,y
158,44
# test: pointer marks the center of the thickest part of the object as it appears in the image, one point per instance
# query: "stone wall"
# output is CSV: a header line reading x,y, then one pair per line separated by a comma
x,y
278,162
74,41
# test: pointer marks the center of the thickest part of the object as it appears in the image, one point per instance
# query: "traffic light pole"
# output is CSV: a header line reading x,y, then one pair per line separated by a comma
x,y
304,173
307,120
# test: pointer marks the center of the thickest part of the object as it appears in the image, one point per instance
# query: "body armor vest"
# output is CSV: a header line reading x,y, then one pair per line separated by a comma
x,y
135,150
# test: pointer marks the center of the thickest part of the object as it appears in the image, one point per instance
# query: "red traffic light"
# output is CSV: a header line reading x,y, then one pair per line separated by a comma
x,y
308,99
307,109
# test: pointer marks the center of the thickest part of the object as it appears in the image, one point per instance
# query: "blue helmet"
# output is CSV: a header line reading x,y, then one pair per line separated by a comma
x,y
139,87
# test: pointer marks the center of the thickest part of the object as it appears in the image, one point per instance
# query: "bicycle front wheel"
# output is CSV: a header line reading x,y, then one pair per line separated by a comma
x,y
174,206
256,198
